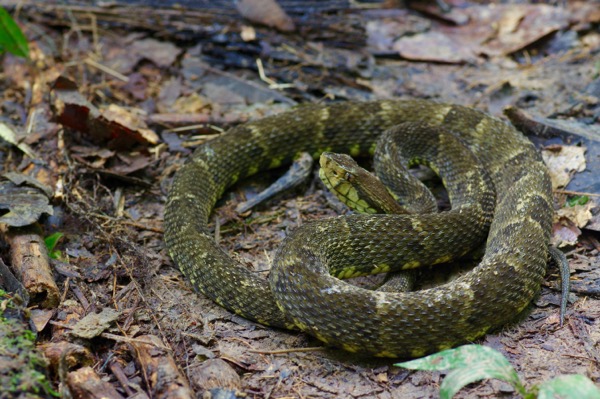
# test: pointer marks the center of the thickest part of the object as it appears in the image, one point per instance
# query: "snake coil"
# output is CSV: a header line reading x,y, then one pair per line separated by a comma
x,y
415,323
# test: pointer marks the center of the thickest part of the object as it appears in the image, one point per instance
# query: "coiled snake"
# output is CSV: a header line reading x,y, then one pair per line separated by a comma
x,y
375,323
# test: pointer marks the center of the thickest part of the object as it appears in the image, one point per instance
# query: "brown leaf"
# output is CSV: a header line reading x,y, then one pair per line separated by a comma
x,y
24,205
118,127
521,25
266,12
93,324
434,46
563,162
564,233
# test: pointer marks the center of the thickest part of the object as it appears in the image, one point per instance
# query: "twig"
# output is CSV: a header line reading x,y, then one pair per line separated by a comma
x,y
289,350
576,193
106,69
272,84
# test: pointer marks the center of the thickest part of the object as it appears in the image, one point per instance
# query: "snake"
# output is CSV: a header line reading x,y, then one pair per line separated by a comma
x,y
301,292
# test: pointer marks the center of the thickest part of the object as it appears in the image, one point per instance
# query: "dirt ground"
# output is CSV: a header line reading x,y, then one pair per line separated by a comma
x,y
140,88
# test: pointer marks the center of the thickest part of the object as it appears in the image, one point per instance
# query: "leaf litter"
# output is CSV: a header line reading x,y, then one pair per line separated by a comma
x,y
141,100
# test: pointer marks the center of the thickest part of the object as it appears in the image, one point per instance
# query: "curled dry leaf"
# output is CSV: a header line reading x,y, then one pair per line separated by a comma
x,y
564,233
580,215
568,222
266,12
7,132
562,162
118,127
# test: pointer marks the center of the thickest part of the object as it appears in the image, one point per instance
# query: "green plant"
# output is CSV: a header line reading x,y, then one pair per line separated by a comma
x,y
12,38
471,363
23,370
51,242
578,200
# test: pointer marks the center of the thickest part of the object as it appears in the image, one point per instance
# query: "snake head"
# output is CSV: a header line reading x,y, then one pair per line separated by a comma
x,y
356,187
340,167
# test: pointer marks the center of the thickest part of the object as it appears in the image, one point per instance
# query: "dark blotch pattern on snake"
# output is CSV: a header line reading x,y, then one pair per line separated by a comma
x,y
383,324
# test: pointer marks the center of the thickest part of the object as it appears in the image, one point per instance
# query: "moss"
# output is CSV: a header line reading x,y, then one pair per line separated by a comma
x,y
22,367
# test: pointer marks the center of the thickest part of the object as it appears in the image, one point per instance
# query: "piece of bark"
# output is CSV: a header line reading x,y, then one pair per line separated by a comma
x,y
159,369
84,383
31,265
547,128
66,356
119,374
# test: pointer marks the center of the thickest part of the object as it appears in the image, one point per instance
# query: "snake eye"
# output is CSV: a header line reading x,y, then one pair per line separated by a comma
x,y
348,176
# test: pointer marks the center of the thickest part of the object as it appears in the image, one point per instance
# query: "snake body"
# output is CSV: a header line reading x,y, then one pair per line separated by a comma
x,y
382,324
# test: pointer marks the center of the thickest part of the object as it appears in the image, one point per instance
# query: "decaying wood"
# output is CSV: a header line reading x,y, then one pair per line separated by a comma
x,y
31,265
85,383
159,369
66,356
198,19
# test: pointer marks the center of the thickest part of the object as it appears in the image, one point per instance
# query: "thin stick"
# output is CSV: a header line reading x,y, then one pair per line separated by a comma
x,y
289,350
106,69
576,193
272,84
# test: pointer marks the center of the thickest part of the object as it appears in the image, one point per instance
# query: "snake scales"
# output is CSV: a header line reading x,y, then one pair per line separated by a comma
x,y
381,324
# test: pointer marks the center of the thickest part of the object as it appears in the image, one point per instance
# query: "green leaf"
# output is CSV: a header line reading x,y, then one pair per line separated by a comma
x,y
578,200
51,242
470,363
463,356
573,386
461,377
12,38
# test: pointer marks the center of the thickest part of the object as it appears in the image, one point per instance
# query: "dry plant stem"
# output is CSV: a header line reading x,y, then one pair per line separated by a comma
x,y
568,192
289,350
118,372
162,376
85,383
31,265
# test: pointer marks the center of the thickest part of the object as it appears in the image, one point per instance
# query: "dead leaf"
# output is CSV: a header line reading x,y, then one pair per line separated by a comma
x,y
125,59
580,215
215,373
563,162
91,156
266,12
131,163
25,204
518,26
19,179
163,54
94,324
383,32
434,46
128,120
564,233
8,133
192,104
118,127
41,317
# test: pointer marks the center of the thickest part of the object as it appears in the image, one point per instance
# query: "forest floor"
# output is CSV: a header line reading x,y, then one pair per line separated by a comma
x,y
115,98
